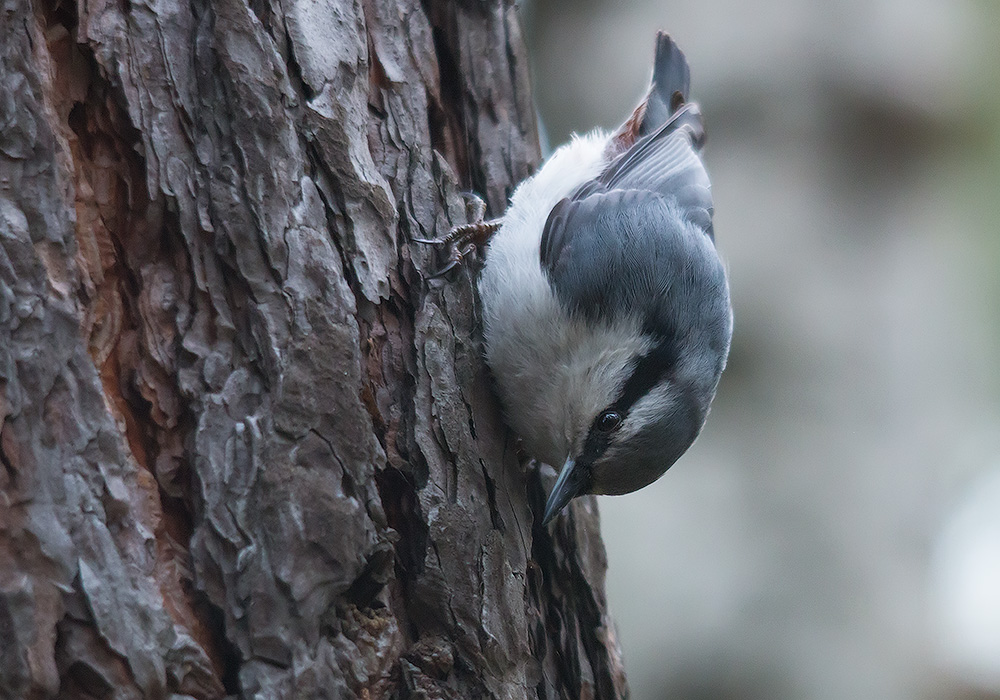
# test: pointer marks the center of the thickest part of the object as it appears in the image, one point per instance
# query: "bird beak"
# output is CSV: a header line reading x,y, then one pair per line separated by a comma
x,y
568,485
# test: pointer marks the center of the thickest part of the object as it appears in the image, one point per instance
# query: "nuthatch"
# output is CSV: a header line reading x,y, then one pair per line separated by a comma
x,y
606,307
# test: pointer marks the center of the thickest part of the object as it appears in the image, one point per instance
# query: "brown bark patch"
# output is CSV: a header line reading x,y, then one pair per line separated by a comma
x,y
131,280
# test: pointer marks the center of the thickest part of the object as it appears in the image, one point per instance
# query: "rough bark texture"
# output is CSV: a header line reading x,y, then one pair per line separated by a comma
x,y
246,449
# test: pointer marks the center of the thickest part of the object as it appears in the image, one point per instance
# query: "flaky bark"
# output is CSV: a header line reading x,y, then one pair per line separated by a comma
x,y
246,449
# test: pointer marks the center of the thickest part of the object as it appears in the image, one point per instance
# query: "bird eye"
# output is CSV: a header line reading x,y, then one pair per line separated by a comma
x,y
609,421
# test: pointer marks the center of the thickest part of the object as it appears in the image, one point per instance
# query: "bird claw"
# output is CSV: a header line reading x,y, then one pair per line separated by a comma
x,y
455,258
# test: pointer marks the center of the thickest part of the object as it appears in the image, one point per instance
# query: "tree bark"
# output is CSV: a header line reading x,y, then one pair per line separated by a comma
x,y
247,450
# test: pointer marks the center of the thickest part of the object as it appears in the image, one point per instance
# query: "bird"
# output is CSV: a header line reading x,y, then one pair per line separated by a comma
x,y
607,318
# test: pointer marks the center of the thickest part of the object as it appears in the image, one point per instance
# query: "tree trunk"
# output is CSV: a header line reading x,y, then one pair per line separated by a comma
x,y
246,448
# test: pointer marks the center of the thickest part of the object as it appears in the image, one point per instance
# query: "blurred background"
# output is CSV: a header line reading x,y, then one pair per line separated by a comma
x,y
835,531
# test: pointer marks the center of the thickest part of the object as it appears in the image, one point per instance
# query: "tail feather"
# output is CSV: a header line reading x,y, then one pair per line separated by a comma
x,y
671,84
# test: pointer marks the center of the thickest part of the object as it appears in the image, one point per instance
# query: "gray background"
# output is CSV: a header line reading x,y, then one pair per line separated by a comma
x,y
833,533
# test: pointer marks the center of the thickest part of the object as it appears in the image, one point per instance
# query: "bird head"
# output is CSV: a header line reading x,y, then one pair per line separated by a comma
x,y
633,410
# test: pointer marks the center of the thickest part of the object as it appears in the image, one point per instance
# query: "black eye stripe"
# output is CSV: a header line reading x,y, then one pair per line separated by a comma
x,y
647,373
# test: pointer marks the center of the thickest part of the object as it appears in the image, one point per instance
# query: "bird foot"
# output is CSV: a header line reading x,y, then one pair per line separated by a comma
x,y
463,240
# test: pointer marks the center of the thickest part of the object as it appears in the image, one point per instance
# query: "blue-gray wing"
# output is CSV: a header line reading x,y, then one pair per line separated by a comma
x,y
631,252
618,241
